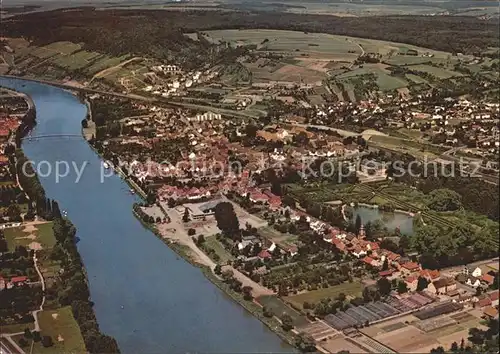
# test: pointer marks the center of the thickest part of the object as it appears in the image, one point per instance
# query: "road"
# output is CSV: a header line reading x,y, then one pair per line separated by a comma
x,y
360,47
158,100
453,271
180,235
42,281
325,127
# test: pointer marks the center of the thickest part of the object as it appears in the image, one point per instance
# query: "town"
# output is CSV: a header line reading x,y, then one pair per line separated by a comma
x,y
251,202
334,176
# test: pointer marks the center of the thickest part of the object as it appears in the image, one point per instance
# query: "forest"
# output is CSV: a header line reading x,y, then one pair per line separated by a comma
x,y
160,33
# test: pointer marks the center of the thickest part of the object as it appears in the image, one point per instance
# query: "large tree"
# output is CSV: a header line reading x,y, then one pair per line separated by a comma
x,y
227,221
384,286
444,200
422,283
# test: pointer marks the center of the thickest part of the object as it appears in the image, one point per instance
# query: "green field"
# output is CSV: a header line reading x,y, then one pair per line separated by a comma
x,y
279,307
383,79
104,63
15,328
44,235
65,326
353,289
287,41
75,61
219,249
283,240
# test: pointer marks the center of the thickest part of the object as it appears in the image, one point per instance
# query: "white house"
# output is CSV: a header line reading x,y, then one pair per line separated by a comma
x,y
475,272
358,252
207,116
473,281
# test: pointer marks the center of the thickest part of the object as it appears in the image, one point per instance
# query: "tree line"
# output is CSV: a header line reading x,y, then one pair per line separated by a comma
x,y
72,287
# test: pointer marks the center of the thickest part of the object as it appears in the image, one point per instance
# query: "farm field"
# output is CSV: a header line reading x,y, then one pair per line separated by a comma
x,y
383,79
404,60
310,58
105,62
312,297
359,9
403,336
288,41
64,330
32,236
56,48
75,61
59,59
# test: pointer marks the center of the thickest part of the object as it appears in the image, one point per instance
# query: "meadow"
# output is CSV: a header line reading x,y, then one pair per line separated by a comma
x,y
27,236
63,329
279,308
349,289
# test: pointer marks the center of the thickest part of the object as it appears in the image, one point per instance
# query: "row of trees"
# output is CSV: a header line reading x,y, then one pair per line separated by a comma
x,y
72,287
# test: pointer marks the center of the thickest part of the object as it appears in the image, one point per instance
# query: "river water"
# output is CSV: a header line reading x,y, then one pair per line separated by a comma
x,y
145,296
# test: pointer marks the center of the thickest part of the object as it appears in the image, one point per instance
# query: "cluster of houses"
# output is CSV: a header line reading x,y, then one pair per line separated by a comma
x,y
13,282
475,277
400,267
169,80
458,121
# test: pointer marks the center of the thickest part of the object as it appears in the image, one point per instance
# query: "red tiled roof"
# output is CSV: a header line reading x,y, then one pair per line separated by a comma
x,y
493,295
368,260
433,274
386,273
19,279
488,278
491,312
393,256
484,302
411,266
264,254
411,279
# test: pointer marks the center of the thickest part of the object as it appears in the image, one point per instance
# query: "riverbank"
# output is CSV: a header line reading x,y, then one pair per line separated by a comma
x,y
254,308
74,290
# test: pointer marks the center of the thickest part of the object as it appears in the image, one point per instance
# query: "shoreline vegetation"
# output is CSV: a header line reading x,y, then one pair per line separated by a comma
x,y
74,290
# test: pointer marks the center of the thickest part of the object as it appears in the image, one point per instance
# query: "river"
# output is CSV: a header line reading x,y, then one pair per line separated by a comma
x,y
145,296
